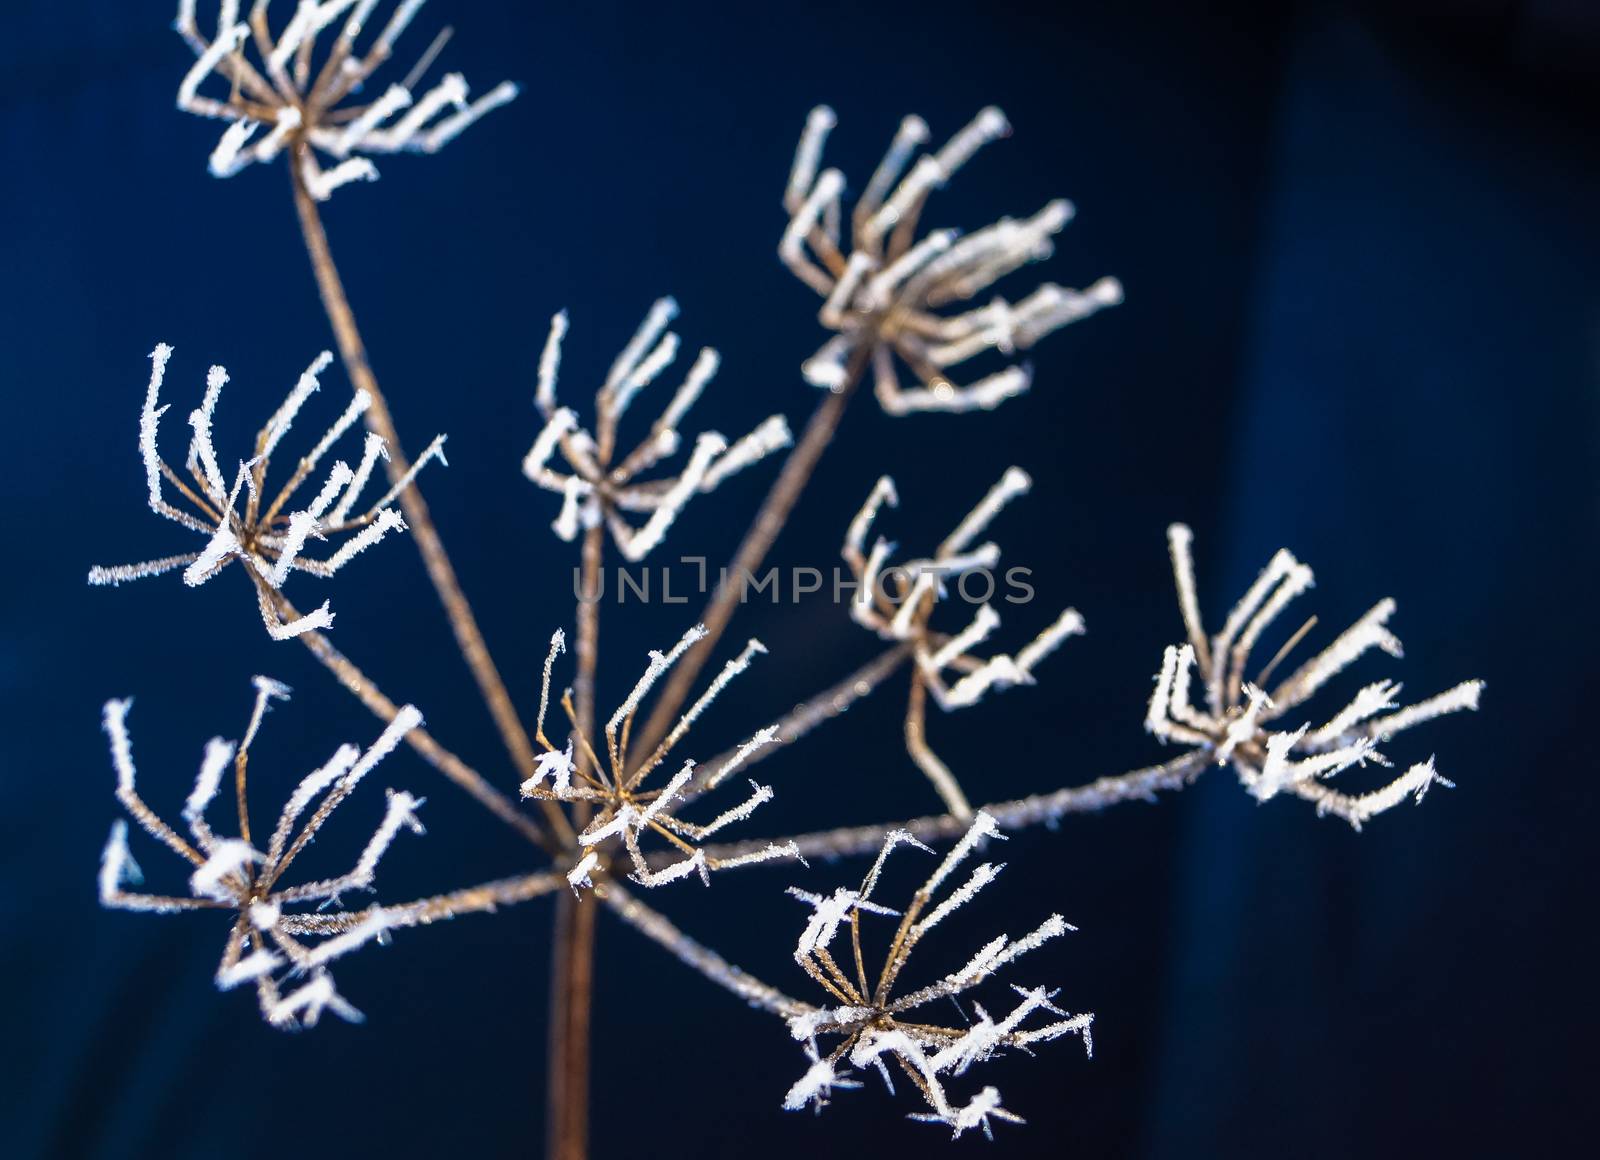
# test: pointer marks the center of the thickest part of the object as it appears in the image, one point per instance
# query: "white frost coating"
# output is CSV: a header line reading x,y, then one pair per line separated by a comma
x,y
884,289
1068,624
661,312
388,521
222,546
579,876
771,436
308,1003
883,492
283,418
557,767
808,154
395,98
451,127
310,788
116,864
643,374
701,372
200,448
375,927
560,424
550,366
1015,482
873,1025
637,545
303,523
1240,724
149,420
317,619
248,969
218,755
321,183
372,449
659,663
408,718
451,91
228,858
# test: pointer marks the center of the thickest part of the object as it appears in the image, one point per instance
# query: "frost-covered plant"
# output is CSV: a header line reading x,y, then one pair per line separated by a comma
x,y
1232,724
303,94
881,291
870,1023
265,534
615,786
599,791
264,945
905,614
597,490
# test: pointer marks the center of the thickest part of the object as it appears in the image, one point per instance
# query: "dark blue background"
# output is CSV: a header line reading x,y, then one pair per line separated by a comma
x,y
1363,321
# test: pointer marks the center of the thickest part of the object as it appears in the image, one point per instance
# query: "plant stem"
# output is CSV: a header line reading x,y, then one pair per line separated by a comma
x,y
572,939
769,521
1045,808
348,674
354,354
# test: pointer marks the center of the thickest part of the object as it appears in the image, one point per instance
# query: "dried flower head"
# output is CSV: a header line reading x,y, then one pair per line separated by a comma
x,y
883,289
303,93
897,602
268,538
264,946
871,1025
1233,723
614,787
594,490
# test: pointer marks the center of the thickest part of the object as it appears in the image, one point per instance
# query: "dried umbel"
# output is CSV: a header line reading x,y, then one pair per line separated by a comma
x,y
264,533
1233,723
264,946
310,98
596,489
897,601
883,289
873,1024
276,944
614,786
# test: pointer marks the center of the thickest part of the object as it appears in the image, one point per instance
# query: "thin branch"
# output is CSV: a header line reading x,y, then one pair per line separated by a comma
x,y
1137,785
769,522
462,622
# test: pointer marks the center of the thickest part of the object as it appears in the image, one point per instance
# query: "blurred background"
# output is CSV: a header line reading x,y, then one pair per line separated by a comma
x,y
1362,264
